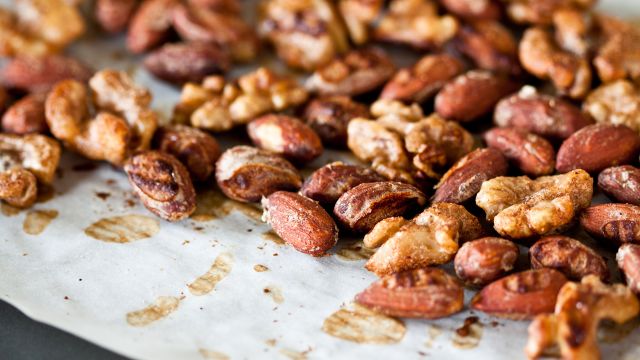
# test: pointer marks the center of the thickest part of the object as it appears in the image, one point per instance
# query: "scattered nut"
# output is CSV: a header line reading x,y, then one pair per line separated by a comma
x,y
25,116
15,42
628,258
286,136
431,238
247,174
114,15
300,222
358,15
621,183
39,154
484,260
597,147
578,311
540,12
183,62
18,187
423,80
490,45
330,116
329,182
55,21
540,114
427,293
362,207
530,153
197,150
616,103
162,183
150,25
522,208
40,74
463,180
473,9
618,57
572,31
522,295
618,223
569,256
357,72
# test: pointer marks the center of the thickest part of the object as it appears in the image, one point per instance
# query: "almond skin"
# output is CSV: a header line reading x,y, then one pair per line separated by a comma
x,y
427,293
150,25
187,62
330,116
40,74
618,223
628,258
621,183
362,207
569,256
481,261
300,222
522,295
26,116
597,147
531,153
463,180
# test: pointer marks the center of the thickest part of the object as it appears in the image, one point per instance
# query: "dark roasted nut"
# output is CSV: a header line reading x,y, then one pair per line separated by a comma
x,y
114,15
18,187
362,207
463,180
423,80
330,116
522,295
162,183
415,23
286,136
621,183
540,12
150,25
329,182
4,99
540,114
357,72
300,222
481,261
183,62
530,153
618,56
40,74
618,223
473,9
569,256
597,147
247,174
196,149
428,293
26,116
628,258
490,45
472,95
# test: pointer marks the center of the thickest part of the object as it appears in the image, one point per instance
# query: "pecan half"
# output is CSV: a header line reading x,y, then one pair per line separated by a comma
x,y
568,256
330,116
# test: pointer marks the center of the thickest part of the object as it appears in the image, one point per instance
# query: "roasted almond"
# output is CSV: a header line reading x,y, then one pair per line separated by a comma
x,y
481,261
628,258
187,62
362,207
569,256
26,116
597,147
522,295
621,183
619,223
40,74
530,153
150,25
300,222
330,116
427,293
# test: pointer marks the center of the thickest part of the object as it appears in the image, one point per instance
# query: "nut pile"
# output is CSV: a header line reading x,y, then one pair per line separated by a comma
x,y
557,79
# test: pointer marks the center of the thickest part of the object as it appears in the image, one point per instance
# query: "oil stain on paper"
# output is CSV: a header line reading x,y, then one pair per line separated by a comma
x,y
123,229
275,293
355,251
468,335
213,355
214,205
37,221
161,308
364,326
205,283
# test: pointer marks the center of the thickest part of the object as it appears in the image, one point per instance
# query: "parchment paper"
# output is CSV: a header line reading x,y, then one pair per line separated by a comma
x,y
270,301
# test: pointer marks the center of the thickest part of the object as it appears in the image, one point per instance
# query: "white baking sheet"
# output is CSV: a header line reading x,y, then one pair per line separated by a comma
x,y
87,287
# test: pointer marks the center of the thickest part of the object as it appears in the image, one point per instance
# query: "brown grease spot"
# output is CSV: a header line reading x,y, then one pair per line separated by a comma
x,y
362,325
123,229
469,334
214,205
103,195
355,251
271,342
275,293
37,221
213,355
218,271
273,237
161,308
295,355
8,210
260,268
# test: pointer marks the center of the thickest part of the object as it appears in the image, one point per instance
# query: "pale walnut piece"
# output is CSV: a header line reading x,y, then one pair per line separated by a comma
x,y
416,23
473,9
247,174
431,238
329,182
616,103
362,207
123,123
39,74
306,34
540,12
423,80
427,293
521,295
618,57
542,57
18,187
628,259
162,183
490,45
196,149
217,105
578,311
530,153
573,30
544,115
330,116
358,16
616,223
191,61
621,183
39,154
15,42
569,256
357,72
521,207
26,116
483,260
